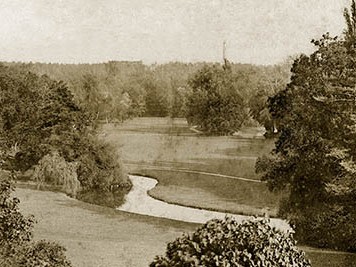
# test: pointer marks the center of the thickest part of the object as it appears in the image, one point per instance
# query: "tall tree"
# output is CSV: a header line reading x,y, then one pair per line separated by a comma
x,y
216,104
36,113
315,153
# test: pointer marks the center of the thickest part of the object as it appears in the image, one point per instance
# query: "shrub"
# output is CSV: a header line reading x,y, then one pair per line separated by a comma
x,y
96,176
326,226
229,243
15,229
16,248
43,254
54,169
101,175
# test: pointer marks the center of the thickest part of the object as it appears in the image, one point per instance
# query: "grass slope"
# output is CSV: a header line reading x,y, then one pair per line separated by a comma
x,y
98,236
169,145
211,192
102,237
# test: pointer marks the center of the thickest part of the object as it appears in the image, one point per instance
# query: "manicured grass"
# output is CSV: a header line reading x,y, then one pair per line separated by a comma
x,y
170,145
225,155
97,236
211,192
171,150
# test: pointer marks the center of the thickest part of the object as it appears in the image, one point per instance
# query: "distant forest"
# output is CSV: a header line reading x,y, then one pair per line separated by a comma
x,y
119,90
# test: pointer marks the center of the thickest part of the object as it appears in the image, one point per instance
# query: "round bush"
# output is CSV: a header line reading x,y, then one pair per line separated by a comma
x,y
43,254
229,243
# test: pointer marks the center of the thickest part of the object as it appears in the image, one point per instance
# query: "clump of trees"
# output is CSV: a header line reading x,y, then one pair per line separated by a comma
x,y
40,123
221,99
314,156
229,243
216,104
16,230
118,90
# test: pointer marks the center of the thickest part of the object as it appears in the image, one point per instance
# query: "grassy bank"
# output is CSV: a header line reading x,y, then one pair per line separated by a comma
x,y
169,145
211,192
97,236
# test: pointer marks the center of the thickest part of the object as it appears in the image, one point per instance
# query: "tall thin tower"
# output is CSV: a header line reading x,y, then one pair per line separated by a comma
x,y
225,61
224,52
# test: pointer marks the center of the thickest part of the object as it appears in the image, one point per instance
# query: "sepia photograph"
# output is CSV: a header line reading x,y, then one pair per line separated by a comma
x,y
178,133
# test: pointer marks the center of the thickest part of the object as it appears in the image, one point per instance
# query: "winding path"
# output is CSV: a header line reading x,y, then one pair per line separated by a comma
x,y
138,201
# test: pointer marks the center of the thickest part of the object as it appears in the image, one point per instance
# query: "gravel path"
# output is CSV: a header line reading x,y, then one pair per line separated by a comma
x,y
138,201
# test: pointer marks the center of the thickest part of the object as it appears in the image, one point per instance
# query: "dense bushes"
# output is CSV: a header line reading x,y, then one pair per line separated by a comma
x,y
16,247
216,103
40,124
15,229
229,243
42,254
326,226
101,175
96,176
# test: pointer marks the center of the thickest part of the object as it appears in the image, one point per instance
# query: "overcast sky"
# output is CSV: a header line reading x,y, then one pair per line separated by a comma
x,y
73,31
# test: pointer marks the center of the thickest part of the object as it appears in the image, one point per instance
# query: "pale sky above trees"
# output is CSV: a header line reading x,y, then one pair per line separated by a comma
x,y
88,31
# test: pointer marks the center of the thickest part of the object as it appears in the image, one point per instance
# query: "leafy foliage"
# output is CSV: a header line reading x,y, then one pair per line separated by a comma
x,y
314,156
216,104
327,225
16,247
36,114
273,80
101,175
156,99
229,243
120,90
15,229
42,254
53,169
40,123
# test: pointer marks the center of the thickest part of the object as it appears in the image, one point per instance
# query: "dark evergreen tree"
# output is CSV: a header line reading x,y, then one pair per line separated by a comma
x,y
314,156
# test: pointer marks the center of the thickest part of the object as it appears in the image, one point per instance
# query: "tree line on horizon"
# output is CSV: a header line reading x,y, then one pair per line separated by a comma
x,y
120,90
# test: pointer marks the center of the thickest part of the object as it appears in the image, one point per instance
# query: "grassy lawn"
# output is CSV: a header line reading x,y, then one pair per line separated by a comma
x,y
102,237
170,147
165,149
97,236
210,192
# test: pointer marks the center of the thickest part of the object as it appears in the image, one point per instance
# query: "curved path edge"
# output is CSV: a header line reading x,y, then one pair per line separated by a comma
x,y
138,201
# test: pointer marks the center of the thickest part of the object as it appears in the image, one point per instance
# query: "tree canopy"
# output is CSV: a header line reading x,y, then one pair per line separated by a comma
x,y
39,118
216,104
36,115
120,90
314,156
272,80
